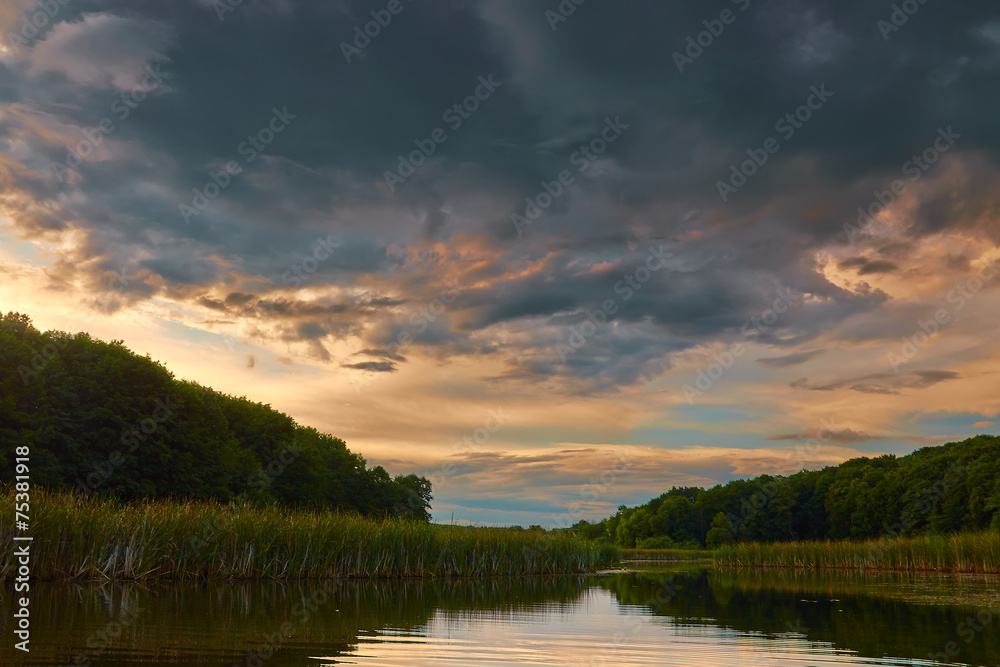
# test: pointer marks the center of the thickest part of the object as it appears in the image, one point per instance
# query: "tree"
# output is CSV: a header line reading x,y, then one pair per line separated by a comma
x,y
415,500
934,490
101,419
720,532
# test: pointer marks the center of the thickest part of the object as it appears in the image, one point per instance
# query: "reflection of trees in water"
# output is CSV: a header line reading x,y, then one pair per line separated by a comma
x,y
147,623
217,623
862,613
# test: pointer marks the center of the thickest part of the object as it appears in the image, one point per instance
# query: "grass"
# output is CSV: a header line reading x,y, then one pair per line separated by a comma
x,y
107,539
966,589
963,552
666,554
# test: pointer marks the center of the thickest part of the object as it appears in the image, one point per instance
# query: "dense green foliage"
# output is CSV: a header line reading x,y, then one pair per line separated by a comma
x,y
933,491
96,417
162,539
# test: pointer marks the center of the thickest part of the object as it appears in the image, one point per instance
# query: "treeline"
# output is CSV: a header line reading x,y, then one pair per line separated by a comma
x,y
98,418
932,491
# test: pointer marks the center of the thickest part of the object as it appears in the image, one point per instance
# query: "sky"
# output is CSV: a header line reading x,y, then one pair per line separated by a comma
x,y
555,256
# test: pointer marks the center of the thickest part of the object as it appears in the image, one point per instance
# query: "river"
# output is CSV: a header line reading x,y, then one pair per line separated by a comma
x,y
656,615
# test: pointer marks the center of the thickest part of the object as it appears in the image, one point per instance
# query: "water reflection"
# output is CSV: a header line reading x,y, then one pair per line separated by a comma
x,y
932,619
678,617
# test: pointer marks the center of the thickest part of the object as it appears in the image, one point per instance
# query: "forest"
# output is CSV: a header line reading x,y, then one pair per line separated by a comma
x,y
99,419
938,490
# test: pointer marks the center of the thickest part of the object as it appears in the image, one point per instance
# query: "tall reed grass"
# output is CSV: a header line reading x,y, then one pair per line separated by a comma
x,y
667,554
963,552
108,539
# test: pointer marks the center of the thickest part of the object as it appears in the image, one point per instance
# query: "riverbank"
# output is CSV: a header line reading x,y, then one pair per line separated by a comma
x,y
104,539
964,552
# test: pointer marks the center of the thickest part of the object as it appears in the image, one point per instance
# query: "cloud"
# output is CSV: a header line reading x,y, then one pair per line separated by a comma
x,y
212,303
103,50
386,354
842,437
375,366
882,383
521,295
597,478
867,266
433,291
790,359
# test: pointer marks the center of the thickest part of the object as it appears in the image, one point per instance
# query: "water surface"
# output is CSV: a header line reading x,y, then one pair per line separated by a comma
x,y
653,616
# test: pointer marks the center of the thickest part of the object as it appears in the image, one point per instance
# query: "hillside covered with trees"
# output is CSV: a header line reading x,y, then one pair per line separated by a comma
x,y
99,418
934,490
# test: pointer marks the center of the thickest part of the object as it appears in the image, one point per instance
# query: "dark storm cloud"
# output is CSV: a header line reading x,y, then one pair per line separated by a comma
x,y
866,266
376,366
325,172
842,437
212,303
238,298
790,359
287,308
387,354
529,469
882,383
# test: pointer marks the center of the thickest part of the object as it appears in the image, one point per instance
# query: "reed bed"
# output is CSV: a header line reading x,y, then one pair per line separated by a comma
x,y
666,554
962,552
108,539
